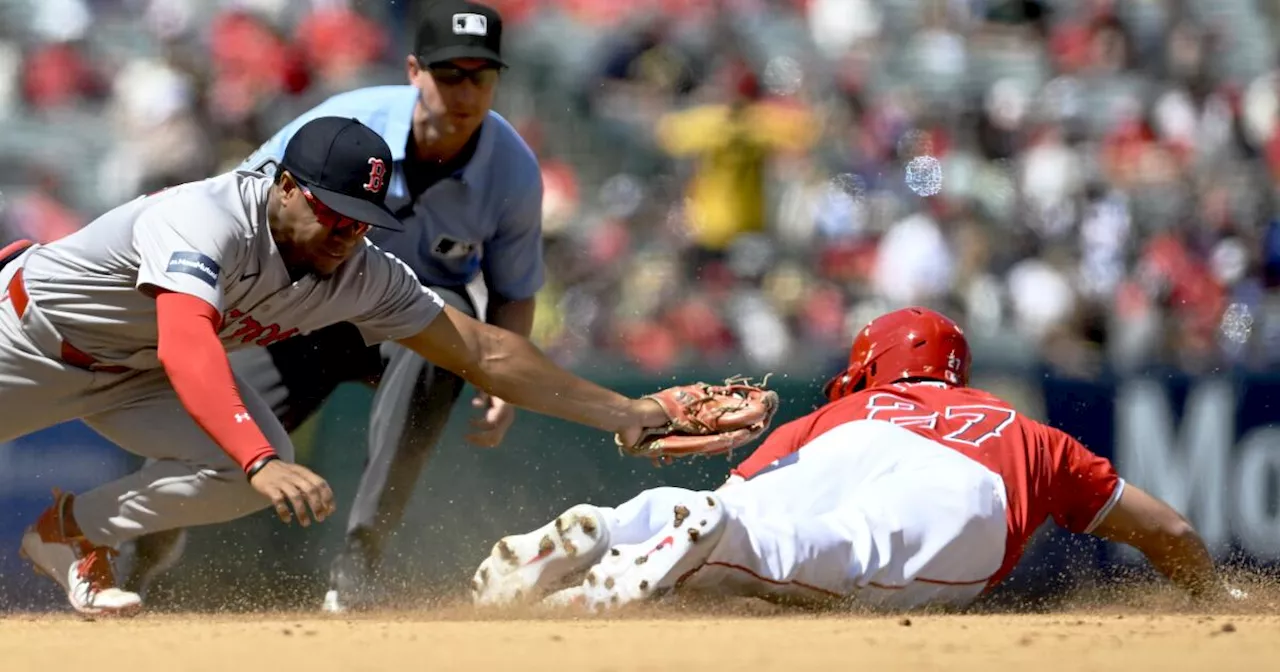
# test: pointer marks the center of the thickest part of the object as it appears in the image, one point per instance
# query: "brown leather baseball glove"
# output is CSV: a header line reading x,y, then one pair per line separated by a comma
x,y
706,419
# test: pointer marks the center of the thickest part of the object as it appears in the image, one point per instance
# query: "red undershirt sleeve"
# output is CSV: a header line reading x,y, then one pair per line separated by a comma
x,y
198,368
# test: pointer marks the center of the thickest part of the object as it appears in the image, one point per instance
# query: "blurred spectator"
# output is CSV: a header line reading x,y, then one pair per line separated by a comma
x,y
38,212
732,142
252,64
58,75
914,263
338,45
159,139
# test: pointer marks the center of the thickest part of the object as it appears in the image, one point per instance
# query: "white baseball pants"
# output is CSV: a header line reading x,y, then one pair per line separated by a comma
x,y
868,511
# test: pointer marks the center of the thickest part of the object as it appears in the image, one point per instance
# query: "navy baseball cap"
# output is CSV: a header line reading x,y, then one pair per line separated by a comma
x,y
459,29
345,165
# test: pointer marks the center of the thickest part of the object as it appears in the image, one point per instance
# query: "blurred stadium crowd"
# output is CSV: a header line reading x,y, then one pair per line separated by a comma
x,y
1087,183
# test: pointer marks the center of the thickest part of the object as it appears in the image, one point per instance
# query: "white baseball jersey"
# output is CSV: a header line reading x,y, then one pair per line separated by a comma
x,y
209,239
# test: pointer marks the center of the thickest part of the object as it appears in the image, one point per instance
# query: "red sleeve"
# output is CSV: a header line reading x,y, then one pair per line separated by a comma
x,y
783,441
1085,485
200,373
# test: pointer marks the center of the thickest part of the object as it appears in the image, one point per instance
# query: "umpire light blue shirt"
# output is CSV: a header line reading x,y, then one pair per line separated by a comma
x,y
487,217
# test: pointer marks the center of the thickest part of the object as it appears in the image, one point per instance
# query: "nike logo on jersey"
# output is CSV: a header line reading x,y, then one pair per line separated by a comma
x,y
242,417
196,265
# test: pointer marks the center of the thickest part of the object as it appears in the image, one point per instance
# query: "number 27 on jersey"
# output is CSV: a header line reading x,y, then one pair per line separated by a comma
x,y
966,424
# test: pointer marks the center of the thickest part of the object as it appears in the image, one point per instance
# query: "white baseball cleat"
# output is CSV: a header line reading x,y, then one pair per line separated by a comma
x,y
524,568
82,569
652,568
566,598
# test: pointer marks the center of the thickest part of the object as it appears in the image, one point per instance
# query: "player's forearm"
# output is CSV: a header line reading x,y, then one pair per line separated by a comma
x,y
200,373
1164,536
210,396
513,369
509,367
514,316
1180,554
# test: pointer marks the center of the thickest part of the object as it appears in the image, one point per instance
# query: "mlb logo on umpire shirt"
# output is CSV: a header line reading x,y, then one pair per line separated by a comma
x,y
194,263
470,24
447,247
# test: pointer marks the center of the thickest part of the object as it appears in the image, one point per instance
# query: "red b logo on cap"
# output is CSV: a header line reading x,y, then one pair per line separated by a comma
x,y
377,175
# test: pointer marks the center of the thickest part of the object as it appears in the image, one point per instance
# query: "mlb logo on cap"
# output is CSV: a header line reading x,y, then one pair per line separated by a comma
x,y
470,24
453,29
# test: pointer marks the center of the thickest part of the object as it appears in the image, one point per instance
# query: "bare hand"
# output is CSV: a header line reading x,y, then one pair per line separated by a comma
x,y
1234,593
645,413
293,485
494,421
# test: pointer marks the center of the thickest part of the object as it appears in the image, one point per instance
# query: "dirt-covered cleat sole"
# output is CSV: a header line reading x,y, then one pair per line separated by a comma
x,y
526,567
653,568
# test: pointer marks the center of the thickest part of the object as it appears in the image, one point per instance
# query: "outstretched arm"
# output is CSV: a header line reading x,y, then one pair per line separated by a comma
x,y
496,414
1168,541
507,365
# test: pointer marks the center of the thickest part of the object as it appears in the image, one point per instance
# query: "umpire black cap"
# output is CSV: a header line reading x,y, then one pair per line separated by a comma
x,y
459,29
345,165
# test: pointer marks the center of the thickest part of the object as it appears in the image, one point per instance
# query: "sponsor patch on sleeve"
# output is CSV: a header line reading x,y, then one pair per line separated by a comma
x,y
194,263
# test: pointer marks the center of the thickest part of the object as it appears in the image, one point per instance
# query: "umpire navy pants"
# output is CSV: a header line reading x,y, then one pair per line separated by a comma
x,y
412,402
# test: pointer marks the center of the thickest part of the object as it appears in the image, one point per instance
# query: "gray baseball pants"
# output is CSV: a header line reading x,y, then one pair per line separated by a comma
x,y
187,480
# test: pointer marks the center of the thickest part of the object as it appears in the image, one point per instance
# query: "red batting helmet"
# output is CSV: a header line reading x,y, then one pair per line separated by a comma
x,y
908,343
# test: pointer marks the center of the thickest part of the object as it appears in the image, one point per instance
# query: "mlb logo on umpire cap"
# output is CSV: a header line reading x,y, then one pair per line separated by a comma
x,y
470,24
453,29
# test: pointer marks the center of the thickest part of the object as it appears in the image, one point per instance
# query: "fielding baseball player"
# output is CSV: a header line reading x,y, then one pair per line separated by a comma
x,y
468,191
907,489
126,325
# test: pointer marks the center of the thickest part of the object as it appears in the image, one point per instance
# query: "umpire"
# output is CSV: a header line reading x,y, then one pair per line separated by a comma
x,y
469,191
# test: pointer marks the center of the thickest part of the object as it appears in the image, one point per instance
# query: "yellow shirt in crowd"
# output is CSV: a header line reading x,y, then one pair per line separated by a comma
x,y
726,196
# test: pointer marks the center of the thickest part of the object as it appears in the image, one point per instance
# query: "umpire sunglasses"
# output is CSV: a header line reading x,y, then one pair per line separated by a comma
x,y
452,75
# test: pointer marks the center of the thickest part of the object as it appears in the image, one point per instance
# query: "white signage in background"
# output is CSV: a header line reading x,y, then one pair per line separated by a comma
x,y
1225,490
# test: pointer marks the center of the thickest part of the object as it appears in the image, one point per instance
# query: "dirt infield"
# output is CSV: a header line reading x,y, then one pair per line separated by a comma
x,y
456,639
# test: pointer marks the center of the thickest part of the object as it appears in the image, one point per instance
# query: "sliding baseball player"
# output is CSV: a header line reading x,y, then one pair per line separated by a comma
x,y
907,489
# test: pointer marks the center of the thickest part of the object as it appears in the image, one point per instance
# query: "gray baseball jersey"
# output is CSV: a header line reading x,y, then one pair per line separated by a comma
x,y
209,239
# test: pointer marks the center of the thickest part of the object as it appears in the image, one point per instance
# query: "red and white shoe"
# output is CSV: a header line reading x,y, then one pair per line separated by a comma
x,y
648,570
523,568
82,569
